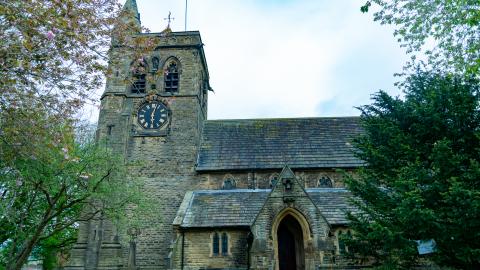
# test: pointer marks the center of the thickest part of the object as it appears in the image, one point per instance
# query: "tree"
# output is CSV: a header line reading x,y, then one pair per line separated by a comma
x,y
56,52
421,179
447,31
50,183
53,58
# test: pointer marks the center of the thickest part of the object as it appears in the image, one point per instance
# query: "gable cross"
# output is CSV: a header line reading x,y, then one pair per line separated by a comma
x,y
169,18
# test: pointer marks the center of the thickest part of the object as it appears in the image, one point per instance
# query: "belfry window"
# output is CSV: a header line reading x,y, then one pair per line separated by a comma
x,y
224,244
171,78
216,244
139,83
139,71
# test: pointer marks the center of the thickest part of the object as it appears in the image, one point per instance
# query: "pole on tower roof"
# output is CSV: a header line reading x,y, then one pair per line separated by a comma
x,y
186,8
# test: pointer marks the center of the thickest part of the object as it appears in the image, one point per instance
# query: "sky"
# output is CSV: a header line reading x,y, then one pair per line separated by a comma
x,y
286,58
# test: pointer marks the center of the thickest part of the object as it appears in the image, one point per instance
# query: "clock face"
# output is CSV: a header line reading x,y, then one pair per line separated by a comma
x,y
152,115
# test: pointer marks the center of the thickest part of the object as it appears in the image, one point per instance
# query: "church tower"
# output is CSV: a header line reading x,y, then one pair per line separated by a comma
x,y
152,113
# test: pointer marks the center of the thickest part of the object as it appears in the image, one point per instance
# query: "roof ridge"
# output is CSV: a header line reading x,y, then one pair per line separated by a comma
x,y
283,118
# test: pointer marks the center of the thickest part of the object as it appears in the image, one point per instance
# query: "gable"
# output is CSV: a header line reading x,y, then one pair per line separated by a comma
x,y
239,207
272,143
222,208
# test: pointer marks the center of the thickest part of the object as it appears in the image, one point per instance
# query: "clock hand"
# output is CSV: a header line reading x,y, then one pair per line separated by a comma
x,y
153,114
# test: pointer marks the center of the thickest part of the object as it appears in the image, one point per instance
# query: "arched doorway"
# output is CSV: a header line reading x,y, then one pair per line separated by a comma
x,y
290,247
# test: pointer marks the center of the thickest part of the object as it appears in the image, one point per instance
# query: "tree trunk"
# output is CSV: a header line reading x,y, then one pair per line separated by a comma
x,y
22,257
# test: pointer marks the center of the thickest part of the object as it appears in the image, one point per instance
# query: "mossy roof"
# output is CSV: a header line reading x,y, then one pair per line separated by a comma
x,y
239,207
303,143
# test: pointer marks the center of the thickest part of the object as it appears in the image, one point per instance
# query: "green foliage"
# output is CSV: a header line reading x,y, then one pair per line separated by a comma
x,y
57,51
50,183
422,179
446,31
53,58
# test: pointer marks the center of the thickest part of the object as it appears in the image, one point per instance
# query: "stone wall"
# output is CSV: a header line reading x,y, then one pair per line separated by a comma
x,y
263,179
198,253
164,162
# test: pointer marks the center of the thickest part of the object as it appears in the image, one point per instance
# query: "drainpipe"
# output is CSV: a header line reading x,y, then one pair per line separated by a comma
x,y
183,247
249,246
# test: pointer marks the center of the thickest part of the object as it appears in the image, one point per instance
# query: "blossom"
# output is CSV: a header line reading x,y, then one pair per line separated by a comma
x,y
85,176
50,35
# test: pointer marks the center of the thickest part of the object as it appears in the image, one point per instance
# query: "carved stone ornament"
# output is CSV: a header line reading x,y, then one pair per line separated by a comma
x,y
288,183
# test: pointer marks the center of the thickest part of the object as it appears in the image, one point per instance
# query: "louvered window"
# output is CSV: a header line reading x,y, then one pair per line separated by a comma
x,y
171,78
139,84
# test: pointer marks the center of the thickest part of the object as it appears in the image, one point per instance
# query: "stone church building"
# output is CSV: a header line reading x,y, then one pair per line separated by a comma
x,y
233,194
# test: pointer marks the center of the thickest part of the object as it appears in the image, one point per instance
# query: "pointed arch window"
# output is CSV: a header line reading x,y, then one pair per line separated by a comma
x,y
224,244
172,78
273,180
139,72
341,243
216,244
324,182
229,183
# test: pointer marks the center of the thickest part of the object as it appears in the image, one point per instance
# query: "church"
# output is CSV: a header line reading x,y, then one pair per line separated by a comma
x,y
234,194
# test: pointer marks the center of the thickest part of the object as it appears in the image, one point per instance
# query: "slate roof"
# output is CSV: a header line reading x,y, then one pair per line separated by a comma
x,y
239,207
333,203
224,208
271,143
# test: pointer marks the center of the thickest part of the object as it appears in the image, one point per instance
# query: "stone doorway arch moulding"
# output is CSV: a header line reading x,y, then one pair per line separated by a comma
x,y
300,218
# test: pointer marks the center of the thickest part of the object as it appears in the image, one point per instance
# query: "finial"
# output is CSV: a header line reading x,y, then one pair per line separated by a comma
x,y
169,19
